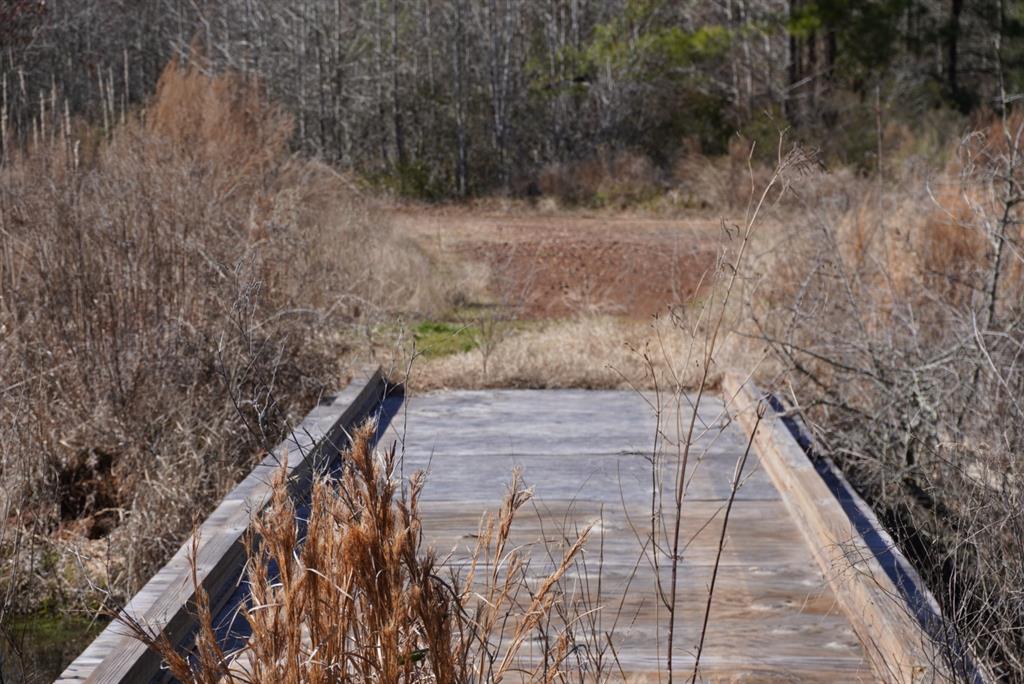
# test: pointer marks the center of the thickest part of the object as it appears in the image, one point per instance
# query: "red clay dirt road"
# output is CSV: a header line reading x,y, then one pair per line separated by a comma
x,y
563,264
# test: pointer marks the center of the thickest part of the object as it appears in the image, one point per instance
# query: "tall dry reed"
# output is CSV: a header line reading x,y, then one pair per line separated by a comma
x,y
356,597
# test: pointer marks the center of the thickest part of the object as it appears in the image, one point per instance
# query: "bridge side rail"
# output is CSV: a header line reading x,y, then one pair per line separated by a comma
x,y
891,618
166,602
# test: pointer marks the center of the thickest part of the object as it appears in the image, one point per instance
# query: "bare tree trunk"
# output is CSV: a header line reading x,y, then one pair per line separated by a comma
x,y
794,67
378,59
459,75
341,137
301,75
748,64
498,28
812,71
396,107
953,49
734,68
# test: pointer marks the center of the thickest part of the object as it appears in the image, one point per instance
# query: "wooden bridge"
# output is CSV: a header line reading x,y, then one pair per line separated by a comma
x,y
808,587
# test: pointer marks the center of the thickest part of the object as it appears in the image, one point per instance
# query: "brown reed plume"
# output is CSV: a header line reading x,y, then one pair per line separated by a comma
x,y
359,598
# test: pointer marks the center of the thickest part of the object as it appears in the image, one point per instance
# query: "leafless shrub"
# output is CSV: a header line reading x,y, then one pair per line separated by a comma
x,y
680,439
164,298
724,182
508,294
897,324
730,182
608,179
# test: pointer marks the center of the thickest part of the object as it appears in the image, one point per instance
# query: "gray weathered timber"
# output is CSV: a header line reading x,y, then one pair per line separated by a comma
x,y
777,613
166,600
892,622
774,615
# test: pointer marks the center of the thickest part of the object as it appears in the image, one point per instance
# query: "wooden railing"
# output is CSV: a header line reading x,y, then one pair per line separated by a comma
x,y
895,617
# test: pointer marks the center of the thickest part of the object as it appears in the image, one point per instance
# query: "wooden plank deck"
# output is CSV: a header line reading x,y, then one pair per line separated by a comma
x,y
778,613
774,615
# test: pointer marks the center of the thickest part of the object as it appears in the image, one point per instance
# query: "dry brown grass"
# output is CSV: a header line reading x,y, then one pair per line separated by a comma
x,y
171,298
586,352
357,597
722,182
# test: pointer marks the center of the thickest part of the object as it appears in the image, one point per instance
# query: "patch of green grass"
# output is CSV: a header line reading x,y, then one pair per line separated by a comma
x,y
438,338
45,643
54,630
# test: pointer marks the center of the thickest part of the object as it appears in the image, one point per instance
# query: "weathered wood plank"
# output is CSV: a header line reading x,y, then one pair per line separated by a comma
x,y
896,644
774,616
775,613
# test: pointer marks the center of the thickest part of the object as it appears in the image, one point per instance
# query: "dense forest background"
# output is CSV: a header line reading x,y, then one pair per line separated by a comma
x,y
439,98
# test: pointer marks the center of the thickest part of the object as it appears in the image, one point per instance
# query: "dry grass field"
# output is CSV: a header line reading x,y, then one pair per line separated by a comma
x,y
552,297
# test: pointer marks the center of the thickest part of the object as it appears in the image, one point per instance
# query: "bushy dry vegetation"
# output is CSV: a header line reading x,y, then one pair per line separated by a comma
x,y
629,180
608,178
892,308
886,308
172,295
